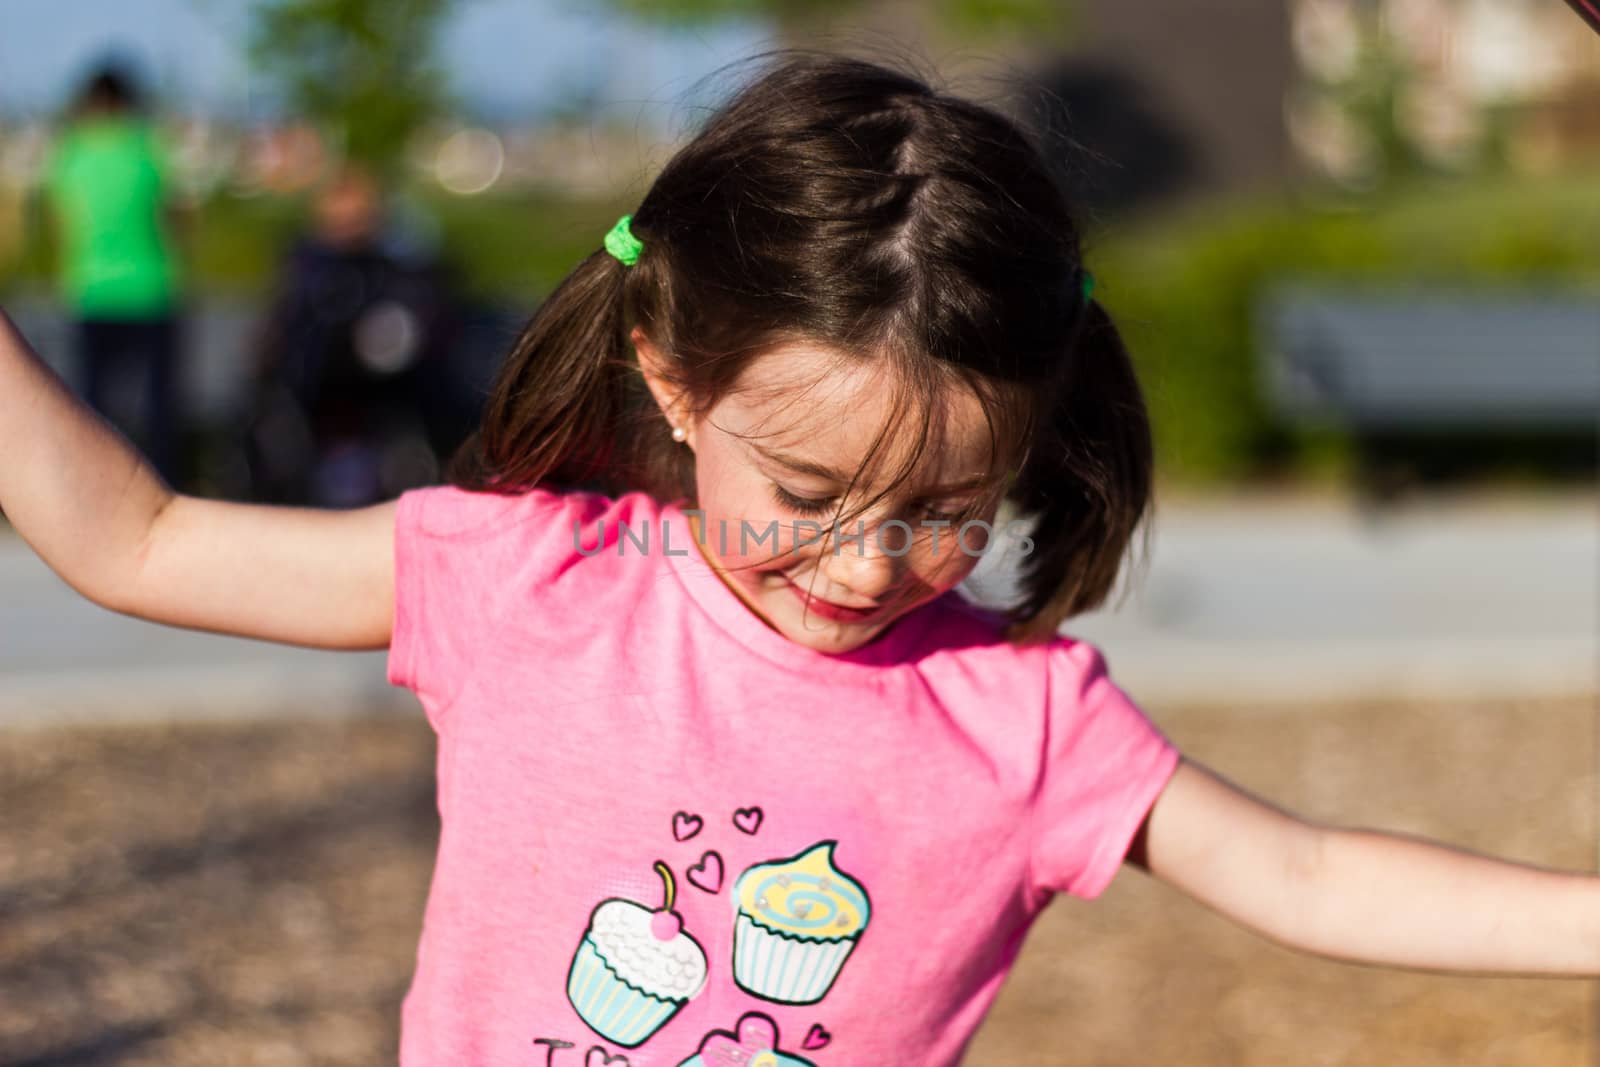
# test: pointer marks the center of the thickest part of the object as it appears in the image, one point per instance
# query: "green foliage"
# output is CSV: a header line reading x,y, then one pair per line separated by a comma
x,y
967,17
789,15
1037,18
236,243
363,70
518,247
512,248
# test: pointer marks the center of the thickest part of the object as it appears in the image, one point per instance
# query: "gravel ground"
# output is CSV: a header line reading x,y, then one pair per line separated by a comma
x,y
250,894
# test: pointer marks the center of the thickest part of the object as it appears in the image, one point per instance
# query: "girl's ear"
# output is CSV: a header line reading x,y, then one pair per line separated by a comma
x,y
667,394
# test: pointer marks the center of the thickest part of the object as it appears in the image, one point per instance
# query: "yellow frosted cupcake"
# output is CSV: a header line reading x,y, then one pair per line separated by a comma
x,y
798,921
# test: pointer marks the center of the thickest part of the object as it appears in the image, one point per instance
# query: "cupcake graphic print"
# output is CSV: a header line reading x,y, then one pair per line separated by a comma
x,y
797,922
752,1043
635,968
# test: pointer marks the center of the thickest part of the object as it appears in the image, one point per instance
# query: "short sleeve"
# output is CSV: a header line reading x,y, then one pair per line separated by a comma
x,y
1105,764
462,561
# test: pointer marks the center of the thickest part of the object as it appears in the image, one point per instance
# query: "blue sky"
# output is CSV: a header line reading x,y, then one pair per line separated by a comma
x,y
503,56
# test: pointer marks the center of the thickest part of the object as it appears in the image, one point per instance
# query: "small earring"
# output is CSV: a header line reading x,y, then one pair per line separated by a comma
x,y
679,433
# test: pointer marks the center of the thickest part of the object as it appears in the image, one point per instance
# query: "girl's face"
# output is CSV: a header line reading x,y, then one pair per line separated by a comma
x,y
771,463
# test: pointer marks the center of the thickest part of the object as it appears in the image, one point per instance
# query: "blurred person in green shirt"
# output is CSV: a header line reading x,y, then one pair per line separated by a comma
x,y
108,190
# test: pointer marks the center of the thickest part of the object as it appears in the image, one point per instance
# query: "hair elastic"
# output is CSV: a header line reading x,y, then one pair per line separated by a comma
x,y
1088,286
622,244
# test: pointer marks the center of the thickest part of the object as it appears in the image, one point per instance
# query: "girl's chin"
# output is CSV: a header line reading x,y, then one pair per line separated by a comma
x,y
831,638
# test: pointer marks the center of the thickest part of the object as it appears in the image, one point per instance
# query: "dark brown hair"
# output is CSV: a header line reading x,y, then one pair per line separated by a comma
x,y
842,203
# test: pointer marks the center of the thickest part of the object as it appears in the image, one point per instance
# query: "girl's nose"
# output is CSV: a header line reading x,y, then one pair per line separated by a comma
x,y
868,565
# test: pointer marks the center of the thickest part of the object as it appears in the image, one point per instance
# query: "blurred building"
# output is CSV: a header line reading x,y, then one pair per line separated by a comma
x,y
1166,99
1218,69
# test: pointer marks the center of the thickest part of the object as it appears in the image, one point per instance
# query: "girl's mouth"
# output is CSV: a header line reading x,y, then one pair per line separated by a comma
x,y
828,609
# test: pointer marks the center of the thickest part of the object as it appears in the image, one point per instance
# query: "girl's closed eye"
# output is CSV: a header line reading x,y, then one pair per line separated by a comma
x,y
816,504
949,513
805,505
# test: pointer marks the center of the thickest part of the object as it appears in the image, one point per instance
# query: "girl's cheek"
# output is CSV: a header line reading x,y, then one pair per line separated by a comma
x,y
942,574
763,542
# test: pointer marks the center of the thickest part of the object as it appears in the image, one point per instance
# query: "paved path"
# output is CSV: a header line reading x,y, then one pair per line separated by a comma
x,y
64,658
1245,601
1249,600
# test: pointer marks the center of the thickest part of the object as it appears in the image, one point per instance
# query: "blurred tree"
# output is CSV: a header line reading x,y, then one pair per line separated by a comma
x,y
1034,18
363,70
794,18
786,13
1374,97
1367,92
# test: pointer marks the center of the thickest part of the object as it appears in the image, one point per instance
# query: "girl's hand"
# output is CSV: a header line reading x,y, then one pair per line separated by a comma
x,y
99,515
1364,895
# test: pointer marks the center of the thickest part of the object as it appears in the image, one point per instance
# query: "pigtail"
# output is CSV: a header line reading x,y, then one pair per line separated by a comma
x,y
1087,482
563,394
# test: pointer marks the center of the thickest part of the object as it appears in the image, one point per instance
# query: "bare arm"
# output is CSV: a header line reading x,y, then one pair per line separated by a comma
x,y
99,515
1364,895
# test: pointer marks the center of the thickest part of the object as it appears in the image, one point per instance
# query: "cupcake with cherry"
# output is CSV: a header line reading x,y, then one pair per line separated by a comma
x,y
635,968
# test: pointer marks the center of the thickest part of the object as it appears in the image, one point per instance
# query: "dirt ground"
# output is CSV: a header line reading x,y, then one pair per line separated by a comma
x,y
251,895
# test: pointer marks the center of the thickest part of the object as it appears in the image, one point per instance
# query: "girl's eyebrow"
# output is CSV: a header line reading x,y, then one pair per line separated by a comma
x,y
801,466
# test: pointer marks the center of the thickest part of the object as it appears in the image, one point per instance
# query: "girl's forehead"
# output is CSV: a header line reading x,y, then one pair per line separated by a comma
x,y
827,409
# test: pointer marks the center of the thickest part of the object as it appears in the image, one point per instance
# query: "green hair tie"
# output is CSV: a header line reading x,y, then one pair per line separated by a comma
x,y
1088,286
621,242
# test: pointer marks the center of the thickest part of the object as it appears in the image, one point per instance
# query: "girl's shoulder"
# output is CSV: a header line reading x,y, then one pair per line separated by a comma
x,y
449,511
964,631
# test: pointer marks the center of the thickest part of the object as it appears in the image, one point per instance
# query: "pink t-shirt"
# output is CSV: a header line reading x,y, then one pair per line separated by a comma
x,y
854,844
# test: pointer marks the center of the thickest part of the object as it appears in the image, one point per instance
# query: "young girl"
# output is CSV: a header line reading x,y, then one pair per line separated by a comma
x,y
728,771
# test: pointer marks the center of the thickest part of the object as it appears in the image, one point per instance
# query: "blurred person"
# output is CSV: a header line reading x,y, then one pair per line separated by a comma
x,y
699,792
108,189
349,407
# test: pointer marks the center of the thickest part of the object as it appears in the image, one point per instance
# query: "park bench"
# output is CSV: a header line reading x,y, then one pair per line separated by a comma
x,y
1432,363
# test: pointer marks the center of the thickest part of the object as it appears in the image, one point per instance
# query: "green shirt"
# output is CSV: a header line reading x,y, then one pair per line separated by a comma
x,y
107,181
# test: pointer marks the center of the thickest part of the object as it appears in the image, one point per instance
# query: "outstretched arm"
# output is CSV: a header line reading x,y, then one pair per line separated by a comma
x,y
97,513
1365,895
